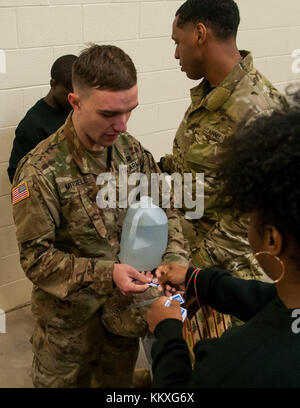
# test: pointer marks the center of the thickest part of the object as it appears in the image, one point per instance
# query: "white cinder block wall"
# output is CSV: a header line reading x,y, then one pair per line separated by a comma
x,y
33,33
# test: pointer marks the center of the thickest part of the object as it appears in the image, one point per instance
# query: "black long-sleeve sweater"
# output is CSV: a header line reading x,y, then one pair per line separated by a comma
x,y
264,352
39,122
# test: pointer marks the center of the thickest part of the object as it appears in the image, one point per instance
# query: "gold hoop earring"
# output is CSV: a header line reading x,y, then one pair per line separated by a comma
x,y
277,259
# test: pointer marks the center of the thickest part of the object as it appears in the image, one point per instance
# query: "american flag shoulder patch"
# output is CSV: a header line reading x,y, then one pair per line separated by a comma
x,y
20,192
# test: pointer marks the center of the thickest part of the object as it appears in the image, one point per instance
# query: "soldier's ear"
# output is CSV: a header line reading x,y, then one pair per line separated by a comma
x,y
74,101
52,83
201,32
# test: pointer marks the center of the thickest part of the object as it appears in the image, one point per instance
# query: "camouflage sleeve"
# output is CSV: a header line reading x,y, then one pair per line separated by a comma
x,y
177,250
225,243
254,116
201,159
36,218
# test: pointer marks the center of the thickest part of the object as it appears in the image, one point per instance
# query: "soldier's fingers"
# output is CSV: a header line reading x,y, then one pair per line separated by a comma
x,y
155,280
138,288
134,274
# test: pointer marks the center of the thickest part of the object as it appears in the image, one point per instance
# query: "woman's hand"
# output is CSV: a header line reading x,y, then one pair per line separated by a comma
x,y
171,278
158,312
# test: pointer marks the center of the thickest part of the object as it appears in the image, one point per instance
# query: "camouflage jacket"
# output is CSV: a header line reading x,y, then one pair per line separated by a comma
x,y
68,245
219,238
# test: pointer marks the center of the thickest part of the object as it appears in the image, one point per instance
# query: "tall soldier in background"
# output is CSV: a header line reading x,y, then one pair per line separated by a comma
x,y
69,247
47,115
232,93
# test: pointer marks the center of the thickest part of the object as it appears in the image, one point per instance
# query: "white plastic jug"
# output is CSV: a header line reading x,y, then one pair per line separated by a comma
x,y
144,236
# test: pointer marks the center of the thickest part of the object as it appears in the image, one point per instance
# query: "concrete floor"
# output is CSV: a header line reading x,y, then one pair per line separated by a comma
x,y
16,354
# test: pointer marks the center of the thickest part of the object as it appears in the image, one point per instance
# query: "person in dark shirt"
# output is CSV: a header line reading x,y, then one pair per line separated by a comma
x,y
46,116
260,170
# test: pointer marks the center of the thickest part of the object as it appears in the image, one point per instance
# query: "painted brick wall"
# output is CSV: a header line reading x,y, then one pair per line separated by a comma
x,y
33,33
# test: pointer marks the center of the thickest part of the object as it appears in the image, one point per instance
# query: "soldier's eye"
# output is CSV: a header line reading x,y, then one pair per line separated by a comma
x,y
106,114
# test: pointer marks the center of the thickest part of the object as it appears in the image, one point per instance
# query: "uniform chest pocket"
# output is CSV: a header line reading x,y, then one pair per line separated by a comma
x,y
82,224
93,213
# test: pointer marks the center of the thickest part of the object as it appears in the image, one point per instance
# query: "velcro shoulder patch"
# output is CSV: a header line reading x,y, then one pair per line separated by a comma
x,y
20,192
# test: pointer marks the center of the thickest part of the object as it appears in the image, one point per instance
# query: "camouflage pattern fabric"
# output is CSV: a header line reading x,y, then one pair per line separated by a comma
x,y
220,236
88,356
68,248
121,316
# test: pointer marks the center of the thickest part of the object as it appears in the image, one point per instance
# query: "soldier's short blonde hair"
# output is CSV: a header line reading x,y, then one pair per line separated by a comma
x,y
104,67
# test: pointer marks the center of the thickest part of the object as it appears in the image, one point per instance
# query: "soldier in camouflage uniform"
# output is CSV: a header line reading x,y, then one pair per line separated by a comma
x,y
232,94
69,246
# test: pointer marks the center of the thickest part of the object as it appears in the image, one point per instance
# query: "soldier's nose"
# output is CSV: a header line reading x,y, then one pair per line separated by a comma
x,y
120,124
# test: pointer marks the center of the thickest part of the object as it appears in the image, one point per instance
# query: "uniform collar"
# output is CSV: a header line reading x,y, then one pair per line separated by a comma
x,y
86,162
219,95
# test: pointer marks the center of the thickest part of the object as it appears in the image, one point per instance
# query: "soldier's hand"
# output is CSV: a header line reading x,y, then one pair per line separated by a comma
x,y
171,277
129,280
158,312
